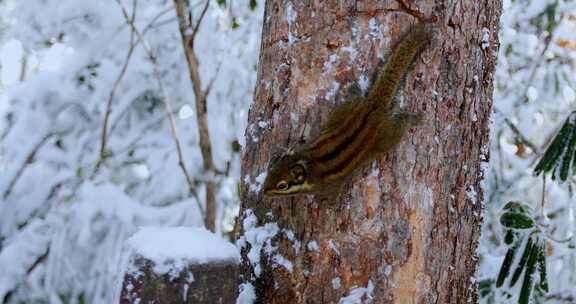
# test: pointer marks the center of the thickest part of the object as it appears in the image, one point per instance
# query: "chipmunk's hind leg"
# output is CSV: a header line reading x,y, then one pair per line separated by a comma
x,y
393,128
408,119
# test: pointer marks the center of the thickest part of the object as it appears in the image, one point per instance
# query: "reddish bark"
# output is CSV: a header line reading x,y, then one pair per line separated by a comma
x,y
409,224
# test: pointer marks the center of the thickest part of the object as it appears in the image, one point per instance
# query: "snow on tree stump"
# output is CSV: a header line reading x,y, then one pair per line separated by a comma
x,y
180,265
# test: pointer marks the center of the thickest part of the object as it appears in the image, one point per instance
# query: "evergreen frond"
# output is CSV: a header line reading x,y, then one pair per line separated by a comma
x,y
559,158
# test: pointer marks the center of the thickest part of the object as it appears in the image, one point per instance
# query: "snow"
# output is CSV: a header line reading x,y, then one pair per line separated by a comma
x,y
290,13
185,112
10,56
359,295
472,195
568,94
259,238
363,83
181,246
247,294
312,246
259,181
290,19
332,246
296,244
485,38
51,126
351,51
375,31
532,94
336,283
279,260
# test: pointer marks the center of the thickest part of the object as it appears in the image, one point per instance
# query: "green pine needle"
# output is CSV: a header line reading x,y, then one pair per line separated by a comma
x,y
528,282
560,154
542,267
567,160
522,263
507,264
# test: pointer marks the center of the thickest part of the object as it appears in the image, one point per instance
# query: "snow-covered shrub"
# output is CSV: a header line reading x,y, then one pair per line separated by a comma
x,y
62,221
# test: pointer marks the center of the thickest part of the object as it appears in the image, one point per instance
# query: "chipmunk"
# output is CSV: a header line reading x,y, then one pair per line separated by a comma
x,y
356,132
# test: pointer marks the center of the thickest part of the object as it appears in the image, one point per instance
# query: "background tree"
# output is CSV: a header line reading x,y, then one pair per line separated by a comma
x,y
534,97
88,147
407,229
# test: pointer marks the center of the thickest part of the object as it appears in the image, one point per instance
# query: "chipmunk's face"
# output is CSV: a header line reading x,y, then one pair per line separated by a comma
x,y
287,176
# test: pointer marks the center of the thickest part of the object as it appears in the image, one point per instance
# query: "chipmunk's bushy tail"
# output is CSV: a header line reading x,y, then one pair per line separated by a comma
x,y
385,87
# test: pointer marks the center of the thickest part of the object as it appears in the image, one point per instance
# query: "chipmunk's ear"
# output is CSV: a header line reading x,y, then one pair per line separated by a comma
x,y
275,158
278,152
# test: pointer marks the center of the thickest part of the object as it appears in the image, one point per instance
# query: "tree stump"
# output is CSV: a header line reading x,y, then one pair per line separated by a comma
x,y
180,265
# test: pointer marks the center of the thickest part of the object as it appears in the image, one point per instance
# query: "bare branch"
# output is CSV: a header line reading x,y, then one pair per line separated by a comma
x,y
39,260
547,42
184,22
104,137
211,83
197,26
24,164
23,66
165,99
152,24
543,197
517,132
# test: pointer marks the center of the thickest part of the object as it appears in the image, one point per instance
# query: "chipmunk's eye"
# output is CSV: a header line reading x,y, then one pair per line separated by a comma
x,y
282,186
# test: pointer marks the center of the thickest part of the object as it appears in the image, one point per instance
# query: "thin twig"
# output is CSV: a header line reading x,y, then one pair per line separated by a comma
x,y
197,26
553,238
37,262
104,137
188,32
540,59
23,66
211,83
518,133
152,24
543,198
566,299
28,160
165,99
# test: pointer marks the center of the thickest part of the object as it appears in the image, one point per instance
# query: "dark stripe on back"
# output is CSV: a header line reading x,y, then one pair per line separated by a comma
x,y
321,145
344,144
351,155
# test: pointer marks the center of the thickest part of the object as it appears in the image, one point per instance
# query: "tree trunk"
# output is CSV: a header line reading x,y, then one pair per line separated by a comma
x,y
406,229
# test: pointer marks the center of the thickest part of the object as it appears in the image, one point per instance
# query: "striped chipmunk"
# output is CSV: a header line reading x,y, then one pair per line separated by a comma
x,y
355,134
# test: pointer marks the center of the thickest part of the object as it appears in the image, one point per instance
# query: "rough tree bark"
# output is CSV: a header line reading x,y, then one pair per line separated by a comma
x,y
407,228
